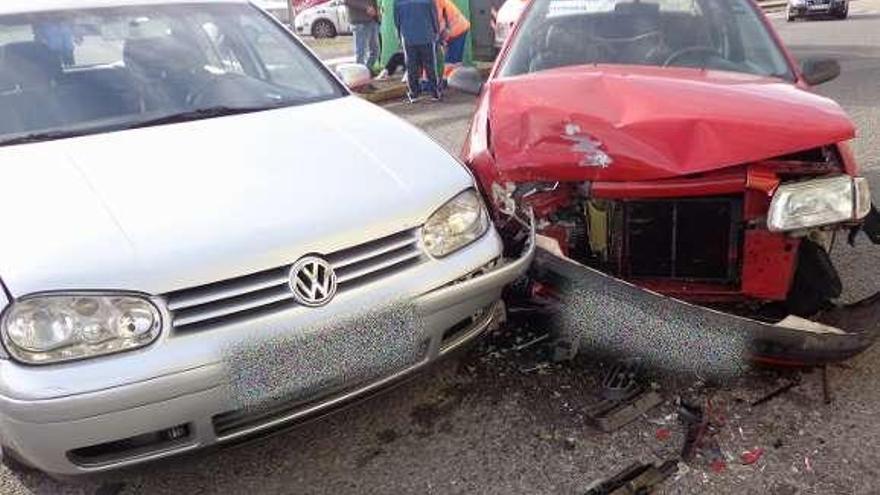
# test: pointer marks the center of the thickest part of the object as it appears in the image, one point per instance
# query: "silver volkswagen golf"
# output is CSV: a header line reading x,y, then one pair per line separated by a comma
x,y
206,237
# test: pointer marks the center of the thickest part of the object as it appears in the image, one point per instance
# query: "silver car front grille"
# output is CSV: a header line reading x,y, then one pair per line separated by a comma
x,y
243,297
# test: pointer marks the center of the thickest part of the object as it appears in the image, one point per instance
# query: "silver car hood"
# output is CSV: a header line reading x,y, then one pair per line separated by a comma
x,y
164,208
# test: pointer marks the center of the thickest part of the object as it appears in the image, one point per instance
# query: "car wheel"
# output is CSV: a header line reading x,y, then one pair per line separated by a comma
x,y
845,13
323,28
789,16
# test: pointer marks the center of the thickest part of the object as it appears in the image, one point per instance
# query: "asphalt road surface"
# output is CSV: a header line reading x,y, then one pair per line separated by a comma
x,y
490,422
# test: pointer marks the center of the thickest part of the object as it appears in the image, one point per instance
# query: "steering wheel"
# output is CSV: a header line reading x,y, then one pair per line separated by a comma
x,y
208,86
560,47
233,89
689,50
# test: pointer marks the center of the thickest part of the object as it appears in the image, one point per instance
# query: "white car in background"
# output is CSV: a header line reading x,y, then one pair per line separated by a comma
x,y
506,19
278,8
326,20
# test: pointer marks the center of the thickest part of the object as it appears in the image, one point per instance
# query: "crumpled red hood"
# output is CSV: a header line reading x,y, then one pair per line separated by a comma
x,y
646,123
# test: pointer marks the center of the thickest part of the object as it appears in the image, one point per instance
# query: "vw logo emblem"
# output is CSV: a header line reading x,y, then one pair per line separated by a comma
x,y
312,281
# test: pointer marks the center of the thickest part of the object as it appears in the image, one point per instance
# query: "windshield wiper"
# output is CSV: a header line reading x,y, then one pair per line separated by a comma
x,y
37,137
201,113
198,114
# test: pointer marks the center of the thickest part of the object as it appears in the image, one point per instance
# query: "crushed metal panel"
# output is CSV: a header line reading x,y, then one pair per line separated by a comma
x,y
650,127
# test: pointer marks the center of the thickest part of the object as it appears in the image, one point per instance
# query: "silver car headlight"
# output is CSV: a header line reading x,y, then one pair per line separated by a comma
x,y
819,202
456,224
55,328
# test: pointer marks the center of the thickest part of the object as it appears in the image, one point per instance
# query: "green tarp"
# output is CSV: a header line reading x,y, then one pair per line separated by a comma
x,y
388,33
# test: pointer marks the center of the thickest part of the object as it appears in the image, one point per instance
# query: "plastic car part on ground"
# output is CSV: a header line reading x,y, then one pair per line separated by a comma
x,y
751,456
635,479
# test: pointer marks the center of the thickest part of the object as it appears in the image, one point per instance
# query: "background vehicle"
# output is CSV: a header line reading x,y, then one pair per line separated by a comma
x,y
203,251
326,20
278,8
506,19
654,143
815,8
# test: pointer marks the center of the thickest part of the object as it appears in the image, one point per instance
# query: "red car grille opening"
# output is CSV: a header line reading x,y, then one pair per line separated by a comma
x,y
695,239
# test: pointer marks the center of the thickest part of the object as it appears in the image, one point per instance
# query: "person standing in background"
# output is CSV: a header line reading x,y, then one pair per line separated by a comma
x,y
60,38
418,29
364,18
454,28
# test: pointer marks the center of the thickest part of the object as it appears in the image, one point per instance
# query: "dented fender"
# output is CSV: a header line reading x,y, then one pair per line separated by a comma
x,y
611,315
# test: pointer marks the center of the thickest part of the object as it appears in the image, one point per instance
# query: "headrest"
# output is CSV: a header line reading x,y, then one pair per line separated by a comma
x,y
634,19
560,37
161,55
28,64
641,8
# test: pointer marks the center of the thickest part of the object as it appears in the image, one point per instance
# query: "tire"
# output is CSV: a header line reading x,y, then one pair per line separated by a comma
x,y
816,281
790,17
843,15
322,28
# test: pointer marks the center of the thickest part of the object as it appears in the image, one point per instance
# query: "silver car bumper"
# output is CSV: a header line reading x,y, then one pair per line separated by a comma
x,y
174,397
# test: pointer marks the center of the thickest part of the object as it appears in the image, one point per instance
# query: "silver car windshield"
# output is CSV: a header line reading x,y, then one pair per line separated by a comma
x,y
724,35
95,70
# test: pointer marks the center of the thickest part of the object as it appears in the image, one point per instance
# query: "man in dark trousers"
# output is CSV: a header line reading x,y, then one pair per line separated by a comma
x,y
416,22
364,18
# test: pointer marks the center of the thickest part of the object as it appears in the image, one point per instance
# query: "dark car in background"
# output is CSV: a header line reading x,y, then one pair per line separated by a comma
x,y
810,8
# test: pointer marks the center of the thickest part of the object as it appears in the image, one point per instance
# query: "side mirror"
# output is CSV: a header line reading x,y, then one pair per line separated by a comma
x,y
467,80
354,75
819,70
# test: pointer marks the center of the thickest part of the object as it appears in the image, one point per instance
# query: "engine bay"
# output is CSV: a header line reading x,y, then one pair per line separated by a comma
x,y
703,240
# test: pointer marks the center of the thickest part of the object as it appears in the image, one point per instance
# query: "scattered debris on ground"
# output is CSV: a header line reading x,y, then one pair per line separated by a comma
x,y
610,415
795,381
637,479
714,430
624,398
750,457
703,426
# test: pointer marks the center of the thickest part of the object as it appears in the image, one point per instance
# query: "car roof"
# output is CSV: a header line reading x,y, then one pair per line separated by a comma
x,y
28,6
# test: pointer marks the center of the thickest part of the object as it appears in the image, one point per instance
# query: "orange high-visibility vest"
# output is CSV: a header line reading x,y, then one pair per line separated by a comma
x,y
451,19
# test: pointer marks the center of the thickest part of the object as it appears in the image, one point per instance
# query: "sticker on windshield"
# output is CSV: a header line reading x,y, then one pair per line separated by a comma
x,y
557,8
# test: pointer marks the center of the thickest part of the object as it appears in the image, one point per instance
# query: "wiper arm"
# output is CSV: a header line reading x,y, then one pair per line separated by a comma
x,y
37,137
198,114
190,115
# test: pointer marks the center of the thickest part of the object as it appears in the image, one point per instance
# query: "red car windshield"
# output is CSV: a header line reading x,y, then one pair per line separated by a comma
x,y
724,35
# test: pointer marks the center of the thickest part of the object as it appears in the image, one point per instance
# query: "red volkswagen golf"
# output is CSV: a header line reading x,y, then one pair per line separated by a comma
x,y
686,186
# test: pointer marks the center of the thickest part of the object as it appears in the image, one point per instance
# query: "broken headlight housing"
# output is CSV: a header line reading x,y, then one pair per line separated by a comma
x,y
819,202
456,224
63,327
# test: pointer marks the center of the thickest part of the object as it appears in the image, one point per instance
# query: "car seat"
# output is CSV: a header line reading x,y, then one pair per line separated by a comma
x,y
565,44
636,31
29,71
166,69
